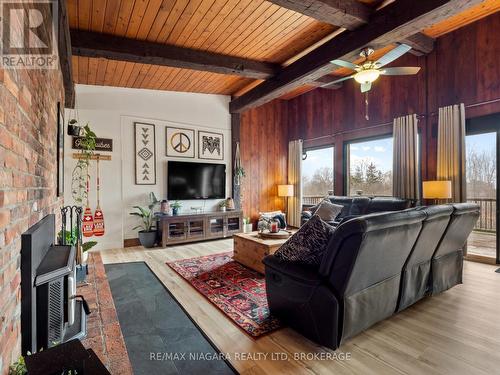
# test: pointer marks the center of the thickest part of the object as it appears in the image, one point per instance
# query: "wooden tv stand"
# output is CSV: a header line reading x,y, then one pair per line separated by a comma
x,y
186,228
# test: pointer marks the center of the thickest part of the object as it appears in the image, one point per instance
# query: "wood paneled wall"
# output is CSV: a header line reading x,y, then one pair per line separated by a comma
x,y
462,68
264,150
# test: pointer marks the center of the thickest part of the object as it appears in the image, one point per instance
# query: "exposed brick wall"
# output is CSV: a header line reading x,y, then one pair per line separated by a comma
x,y
28,182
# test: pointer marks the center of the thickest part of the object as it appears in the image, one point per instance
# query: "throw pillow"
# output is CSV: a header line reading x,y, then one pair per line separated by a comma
x,y
314,208
308,244
328,211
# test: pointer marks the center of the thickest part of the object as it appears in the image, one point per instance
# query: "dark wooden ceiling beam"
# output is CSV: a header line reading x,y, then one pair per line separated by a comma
x,y
420,43
90,44
348,14
393,23
326,82
64,48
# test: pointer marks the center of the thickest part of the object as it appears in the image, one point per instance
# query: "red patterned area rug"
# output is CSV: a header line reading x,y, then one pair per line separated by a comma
x,y
236,290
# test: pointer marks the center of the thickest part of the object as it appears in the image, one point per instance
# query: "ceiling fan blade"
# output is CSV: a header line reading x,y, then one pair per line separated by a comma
x,y
337,81
344,64
400,71
366,86
393,55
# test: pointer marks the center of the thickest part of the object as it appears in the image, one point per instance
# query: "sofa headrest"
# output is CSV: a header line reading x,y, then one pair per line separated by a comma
x,y
465,208
434,212
383,220
378,204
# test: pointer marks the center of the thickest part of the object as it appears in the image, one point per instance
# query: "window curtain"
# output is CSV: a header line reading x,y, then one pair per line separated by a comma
x,y
405,182
451,149
294,178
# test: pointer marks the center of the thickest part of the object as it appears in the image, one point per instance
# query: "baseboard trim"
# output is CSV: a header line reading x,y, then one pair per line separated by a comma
x,y
131,242
480,259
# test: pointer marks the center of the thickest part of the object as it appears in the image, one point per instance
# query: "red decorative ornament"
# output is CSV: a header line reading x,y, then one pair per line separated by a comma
x,y
98,215
87,223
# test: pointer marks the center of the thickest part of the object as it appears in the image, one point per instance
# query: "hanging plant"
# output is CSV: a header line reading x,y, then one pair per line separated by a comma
x,y
239,173
81,170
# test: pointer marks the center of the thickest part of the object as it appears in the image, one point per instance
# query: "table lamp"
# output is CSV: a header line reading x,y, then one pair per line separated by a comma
x,y
436,190
285,191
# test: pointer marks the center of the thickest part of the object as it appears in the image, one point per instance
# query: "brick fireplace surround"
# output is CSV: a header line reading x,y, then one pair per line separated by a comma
x,y
28,182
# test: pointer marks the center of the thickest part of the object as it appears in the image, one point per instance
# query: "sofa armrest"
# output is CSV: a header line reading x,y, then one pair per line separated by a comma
x,y
299,272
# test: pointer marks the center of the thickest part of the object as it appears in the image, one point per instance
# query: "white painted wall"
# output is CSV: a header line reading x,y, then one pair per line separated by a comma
x,y
111,112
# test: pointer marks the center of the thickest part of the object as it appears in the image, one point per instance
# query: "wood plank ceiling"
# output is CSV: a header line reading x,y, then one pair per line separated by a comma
x,y
251,29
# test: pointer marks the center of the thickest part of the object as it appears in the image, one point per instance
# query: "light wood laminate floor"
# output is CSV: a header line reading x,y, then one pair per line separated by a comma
x,y
457,332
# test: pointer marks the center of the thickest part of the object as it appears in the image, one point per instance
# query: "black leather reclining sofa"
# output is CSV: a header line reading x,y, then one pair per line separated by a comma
x,y
375,266
357,206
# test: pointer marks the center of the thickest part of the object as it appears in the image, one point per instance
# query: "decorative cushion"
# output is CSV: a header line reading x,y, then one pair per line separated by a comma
x,y
308,244
314,208
328,211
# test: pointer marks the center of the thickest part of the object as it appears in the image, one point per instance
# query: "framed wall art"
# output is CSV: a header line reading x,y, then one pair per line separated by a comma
x,y
180,142
145,154
210,145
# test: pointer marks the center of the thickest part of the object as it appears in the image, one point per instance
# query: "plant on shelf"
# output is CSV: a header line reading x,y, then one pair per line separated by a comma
x,y
223,205
147,234
80,172
176,206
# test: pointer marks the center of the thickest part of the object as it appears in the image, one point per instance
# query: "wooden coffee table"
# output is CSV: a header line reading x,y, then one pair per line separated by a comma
x,y
250,249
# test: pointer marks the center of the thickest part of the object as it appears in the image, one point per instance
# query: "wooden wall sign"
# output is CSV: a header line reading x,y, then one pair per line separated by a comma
x,y
145,154
101,144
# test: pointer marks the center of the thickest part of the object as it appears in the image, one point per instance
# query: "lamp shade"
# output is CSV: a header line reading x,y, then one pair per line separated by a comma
x,y
285,190
436,189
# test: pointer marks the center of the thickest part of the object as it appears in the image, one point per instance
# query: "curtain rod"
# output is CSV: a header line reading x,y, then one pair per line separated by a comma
x,y
421,116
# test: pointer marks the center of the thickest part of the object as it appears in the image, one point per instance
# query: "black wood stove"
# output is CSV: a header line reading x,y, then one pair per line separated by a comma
x,y
51,312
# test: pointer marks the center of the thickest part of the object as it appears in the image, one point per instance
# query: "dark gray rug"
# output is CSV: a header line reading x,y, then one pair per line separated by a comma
x,y
160,337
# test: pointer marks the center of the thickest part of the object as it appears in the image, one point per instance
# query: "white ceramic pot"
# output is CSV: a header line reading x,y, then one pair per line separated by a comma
x,y
247,228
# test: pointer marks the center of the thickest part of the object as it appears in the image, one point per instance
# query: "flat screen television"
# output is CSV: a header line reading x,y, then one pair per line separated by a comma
x,y
195,180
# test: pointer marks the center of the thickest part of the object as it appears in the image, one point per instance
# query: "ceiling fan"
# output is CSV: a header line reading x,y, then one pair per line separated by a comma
x,y
368,71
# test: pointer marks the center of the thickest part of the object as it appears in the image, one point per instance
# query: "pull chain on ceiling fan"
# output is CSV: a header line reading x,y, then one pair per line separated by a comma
x,y
369,71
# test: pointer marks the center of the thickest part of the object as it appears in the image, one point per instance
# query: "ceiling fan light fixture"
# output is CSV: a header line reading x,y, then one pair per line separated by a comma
x,y
368,75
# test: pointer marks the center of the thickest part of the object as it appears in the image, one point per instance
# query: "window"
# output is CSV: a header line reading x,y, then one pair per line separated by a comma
x,y
369,167
317,174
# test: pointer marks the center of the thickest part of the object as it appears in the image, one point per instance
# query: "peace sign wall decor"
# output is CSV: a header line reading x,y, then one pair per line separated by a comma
x,y
145,154
180,142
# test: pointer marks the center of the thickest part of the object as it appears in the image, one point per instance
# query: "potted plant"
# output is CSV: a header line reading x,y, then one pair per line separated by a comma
x,y
239,173
176,206
223,205
72,239
247,225
147,236
74,129
80,172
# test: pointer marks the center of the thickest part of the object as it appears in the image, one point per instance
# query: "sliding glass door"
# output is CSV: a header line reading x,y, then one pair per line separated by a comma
x,y
482,170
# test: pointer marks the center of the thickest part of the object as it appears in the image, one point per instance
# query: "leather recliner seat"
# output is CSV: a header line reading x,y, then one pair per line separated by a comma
x,y
374,265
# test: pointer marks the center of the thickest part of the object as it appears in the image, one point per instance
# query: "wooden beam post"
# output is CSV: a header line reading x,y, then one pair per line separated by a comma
x,y
91,44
